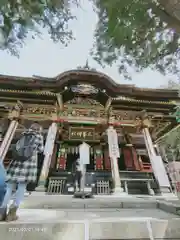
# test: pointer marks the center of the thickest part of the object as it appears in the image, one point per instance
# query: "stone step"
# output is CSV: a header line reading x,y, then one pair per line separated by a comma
x,y
45,217
68,202
50,225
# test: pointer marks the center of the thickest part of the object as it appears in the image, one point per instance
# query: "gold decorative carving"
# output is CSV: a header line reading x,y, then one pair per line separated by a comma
x,y
16,111
84,101
14,114
123,115
146,121
90,112
39,110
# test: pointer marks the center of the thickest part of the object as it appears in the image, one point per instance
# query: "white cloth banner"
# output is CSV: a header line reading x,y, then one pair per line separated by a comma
x,y
84,153
113,143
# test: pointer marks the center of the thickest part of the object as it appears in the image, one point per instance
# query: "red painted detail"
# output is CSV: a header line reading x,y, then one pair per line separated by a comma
x,y
99,163
61,163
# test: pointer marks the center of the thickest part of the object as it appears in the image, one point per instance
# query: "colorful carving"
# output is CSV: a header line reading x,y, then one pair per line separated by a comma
x,y
39,110
84,112
85,89
83,101
61,159
98,159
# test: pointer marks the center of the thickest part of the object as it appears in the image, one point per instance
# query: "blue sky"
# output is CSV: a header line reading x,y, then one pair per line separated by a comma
x,y
43,57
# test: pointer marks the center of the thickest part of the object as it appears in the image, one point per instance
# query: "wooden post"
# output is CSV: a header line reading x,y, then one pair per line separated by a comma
x,y
156,162
48,152
8,139
14,116
114,154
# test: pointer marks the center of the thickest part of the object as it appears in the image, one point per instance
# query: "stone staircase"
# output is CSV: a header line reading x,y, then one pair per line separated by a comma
x,y
45,217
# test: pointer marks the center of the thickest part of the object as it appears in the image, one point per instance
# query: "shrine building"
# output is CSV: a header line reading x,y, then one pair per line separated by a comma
x,y
119,122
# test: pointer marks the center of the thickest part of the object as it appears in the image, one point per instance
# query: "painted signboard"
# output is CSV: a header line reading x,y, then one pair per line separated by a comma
x,y
83,134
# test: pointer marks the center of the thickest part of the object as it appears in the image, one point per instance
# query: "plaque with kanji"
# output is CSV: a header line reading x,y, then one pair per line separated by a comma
x,y
83,134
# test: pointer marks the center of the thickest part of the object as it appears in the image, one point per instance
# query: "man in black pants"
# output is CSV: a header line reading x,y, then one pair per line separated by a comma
x,y
78,175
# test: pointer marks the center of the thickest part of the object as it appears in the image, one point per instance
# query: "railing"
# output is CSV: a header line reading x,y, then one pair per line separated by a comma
x,y
103,187
56,185
145,180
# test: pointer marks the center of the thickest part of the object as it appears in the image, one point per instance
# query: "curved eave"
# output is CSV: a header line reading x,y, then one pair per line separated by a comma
x,y
24,92
165,104
95,78
115,102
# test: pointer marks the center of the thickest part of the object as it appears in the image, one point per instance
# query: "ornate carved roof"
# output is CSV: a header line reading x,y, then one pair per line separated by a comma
x,y
81,76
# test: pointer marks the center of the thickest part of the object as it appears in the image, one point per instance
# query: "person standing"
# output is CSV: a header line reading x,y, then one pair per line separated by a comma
x,y
22,169
78,174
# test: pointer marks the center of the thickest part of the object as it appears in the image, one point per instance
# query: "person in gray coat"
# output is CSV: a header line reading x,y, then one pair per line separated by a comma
x,y
21,172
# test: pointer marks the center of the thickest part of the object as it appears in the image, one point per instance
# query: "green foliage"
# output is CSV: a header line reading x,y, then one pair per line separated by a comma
x,y
177,114
171,144
134,33
18,18
171,141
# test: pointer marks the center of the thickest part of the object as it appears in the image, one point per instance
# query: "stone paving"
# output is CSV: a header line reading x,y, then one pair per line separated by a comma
x,y
66,202
100,218
44,215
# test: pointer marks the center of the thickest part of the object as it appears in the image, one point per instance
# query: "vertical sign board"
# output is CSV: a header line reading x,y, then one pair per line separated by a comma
x,y
84,153
113,143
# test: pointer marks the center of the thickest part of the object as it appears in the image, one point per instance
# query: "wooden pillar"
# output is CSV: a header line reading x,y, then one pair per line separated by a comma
x,y
48,152
107,162
54,157
14,117
156,160
114,154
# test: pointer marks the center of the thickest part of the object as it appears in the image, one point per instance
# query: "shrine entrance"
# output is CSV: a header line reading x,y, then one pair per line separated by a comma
x,y
69,152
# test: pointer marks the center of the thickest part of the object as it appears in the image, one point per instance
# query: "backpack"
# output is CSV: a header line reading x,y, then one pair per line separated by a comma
x,y
24,148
